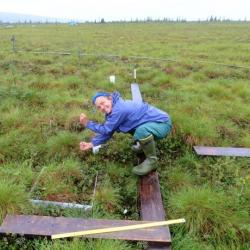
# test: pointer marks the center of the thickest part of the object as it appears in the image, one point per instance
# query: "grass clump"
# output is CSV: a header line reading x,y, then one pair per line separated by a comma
x,y
21,173
13,198
62,145
209,215
178,178
61,182
108,197
188,242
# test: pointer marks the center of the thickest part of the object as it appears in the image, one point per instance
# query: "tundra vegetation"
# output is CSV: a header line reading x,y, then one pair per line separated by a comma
x,y
42,95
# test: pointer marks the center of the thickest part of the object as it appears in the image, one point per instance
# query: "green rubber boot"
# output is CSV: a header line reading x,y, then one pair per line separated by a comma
x,y
149,164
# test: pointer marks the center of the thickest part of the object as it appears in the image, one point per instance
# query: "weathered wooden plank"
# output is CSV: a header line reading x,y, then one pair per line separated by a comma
x,y
33,226
136,94
150,194
152,207
222,151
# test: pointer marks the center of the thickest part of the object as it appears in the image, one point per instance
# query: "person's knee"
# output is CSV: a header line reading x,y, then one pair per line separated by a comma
x,y
141,133
163,131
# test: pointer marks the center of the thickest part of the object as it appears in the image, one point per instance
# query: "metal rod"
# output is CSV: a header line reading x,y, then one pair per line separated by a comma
x,y
93,196
37,180
61,204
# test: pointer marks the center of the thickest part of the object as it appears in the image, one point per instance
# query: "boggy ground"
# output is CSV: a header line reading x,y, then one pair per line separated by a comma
x,y
41,96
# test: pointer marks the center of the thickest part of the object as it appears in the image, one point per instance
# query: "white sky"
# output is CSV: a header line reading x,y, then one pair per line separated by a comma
x,y
130,9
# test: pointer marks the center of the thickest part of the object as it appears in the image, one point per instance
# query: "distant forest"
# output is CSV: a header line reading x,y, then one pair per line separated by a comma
x,y
44,20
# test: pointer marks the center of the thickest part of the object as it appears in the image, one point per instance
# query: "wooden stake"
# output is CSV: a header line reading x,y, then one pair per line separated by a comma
x,y
117,229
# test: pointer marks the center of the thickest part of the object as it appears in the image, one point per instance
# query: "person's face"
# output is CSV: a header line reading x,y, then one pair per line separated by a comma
x,y
104,104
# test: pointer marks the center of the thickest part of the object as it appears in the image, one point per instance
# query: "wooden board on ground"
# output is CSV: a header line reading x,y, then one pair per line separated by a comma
x,y
222,151
33,226
152,207
150,195
136,94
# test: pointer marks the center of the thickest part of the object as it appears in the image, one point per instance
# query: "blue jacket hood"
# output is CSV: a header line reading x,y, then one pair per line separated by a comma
x,y
115,97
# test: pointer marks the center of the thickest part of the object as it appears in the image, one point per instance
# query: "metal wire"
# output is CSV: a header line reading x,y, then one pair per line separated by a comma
x,y
136,57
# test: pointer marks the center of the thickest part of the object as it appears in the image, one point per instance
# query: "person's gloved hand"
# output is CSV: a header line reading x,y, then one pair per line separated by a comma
x,y
83,119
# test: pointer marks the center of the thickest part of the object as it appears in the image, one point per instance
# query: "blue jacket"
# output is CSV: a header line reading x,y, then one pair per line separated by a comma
x,y
126,115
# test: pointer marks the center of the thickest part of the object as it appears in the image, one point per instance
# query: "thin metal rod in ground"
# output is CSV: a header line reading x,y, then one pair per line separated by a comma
x,y
37,179
93,197
61,204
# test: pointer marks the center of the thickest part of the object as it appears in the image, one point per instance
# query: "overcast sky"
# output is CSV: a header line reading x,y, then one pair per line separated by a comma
x,y
130,9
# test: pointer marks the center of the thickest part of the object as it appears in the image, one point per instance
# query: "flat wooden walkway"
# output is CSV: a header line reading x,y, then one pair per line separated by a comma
x,y
151,205
33,226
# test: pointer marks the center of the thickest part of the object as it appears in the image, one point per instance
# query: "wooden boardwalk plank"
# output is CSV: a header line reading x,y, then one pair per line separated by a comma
x,y
33,226
136,94
222,151
152,207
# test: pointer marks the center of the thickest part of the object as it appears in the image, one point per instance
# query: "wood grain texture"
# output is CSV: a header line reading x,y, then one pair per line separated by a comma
x,y
152,207
33,226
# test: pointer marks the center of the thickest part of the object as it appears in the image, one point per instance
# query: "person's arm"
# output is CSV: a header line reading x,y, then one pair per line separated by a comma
x,y
112,122
100,139
96,141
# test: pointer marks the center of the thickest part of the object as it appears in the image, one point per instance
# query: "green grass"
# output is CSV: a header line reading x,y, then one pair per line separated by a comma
x,y
13,198
42,95
209,215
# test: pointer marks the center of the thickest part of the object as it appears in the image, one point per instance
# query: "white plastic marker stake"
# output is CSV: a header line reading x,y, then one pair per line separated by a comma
x,y
135,74
112,79
117,229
